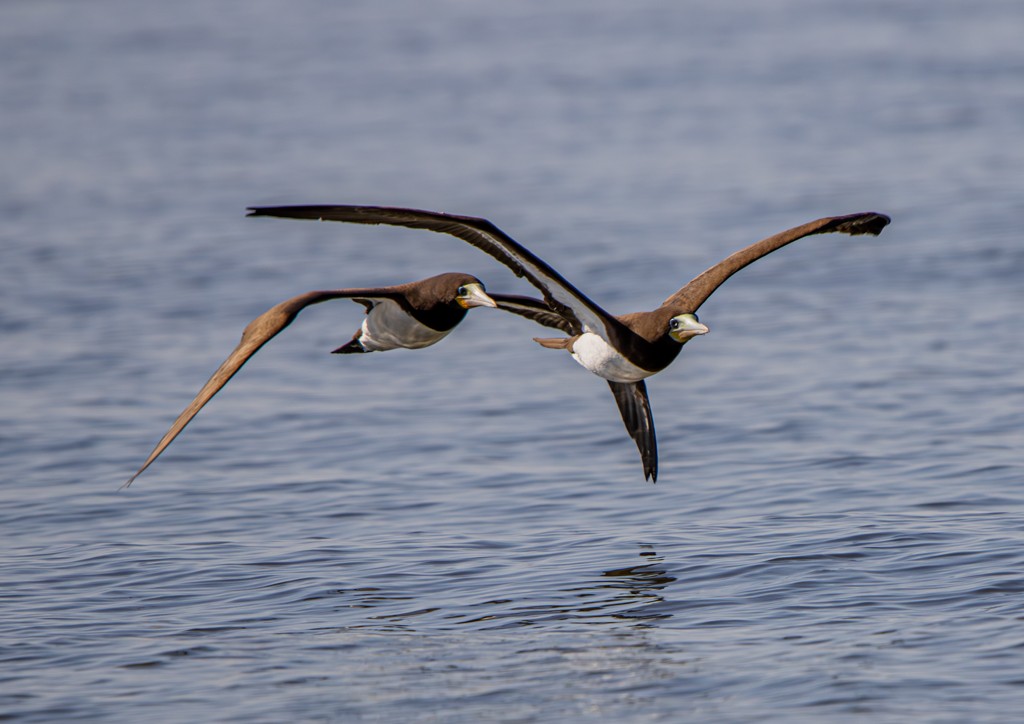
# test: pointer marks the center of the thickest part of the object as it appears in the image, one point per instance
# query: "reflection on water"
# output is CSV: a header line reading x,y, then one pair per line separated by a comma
x,y
629,595
638,588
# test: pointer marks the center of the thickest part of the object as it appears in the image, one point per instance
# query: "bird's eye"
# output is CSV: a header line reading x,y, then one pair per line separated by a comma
x,y
462,291
673,324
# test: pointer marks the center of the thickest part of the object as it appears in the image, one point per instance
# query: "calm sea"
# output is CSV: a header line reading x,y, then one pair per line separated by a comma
x,y
463,533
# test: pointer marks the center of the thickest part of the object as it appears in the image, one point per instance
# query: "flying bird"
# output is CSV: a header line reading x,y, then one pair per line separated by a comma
x,y
624,349
406,316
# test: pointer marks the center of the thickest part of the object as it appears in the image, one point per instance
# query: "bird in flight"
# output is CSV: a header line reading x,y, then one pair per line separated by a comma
x,y
624,349
405,316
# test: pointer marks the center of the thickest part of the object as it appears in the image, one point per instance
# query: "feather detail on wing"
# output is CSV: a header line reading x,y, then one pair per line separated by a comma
x,y
635,408
696,292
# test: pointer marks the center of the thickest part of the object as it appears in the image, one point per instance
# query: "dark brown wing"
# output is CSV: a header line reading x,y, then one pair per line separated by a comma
x,y
690,297
259,331
561,296
635,408
533,309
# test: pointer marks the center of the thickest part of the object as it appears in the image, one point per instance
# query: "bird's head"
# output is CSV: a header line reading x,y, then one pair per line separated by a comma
x,y
683,327
471,293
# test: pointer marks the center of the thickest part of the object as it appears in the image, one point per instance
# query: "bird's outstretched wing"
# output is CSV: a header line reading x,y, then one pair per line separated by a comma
x,y
259,331
565,299
696,292
635,408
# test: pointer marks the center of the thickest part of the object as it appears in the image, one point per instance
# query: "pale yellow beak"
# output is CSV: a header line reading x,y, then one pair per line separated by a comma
x,y
686,326
475,296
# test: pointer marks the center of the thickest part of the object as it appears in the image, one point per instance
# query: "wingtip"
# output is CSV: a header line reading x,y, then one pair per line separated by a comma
x,y
283,212
876,222
868,222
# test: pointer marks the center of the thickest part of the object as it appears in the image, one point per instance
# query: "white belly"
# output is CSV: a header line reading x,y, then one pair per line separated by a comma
x,y
604,361
387,326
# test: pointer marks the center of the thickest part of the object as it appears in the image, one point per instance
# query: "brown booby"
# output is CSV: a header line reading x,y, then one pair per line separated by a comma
x,y
406,316
624,350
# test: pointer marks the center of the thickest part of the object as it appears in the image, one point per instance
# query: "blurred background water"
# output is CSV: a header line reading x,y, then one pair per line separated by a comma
x,y
463,533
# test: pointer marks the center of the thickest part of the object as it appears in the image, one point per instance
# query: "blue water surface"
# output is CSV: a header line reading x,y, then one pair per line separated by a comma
x,y
463,533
